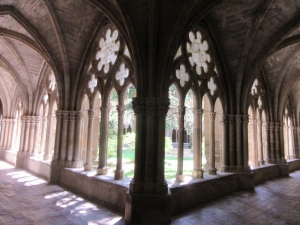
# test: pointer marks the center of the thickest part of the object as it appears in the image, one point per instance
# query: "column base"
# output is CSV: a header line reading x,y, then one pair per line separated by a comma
x,y
47,157
261,162
102,171
68,164
197,174
148,209
34,154
119,174
212,171
180,177
224,168
77,164
88,166
55,171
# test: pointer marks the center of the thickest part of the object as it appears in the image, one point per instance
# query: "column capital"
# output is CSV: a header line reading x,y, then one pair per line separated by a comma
x,y
240,119
181,110
150,106
212,116
231,119
198,111
222,118
91,113
138,105
121,108
163,106
271,125
259,122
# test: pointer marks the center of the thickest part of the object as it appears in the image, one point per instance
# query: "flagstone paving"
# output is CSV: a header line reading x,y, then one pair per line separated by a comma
x,y
26,199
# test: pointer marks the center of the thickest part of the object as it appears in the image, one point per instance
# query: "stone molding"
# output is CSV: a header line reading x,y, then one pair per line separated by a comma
x,y
91,113
66,115
150,106
212,116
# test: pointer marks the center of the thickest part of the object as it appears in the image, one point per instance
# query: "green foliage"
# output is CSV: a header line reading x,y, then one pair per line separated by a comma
x,y
129,140
168,145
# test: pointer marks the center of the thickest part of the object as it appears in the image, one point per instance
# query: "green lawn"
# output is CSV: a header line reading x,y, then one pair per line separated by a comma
x,y
170,164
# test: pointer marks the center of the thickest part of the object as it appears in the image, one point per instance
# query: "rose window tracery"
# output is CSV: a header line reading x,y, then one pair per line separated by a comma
x,y
198,49
108,48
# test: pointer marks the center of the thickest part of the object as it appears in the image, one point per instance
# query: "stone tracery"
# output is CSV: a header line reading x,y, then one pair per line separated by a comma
x,y
108,48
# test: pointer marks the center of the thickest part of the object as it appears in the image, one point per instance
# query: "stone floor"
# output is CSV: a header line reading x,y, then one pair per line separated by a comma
x,y
26,199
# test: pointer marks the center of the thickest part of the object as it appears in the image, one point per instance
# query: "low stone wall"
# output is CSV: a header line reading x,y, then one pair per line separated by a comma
x,y
187,196
9,156
294,164
265,173
94,188
39,168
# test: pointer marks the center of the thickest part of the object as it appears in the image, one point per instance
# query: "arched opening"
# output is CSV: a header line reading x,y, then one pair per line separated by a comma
x,y
128,142
17,128
218,133
189,104
112,131
52,128
171,139
85,105
96,129
252,138
206,108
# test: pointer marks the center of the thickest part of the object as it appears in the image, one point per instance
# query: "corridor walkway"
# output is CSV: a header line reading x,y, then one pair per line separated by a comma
x,y
26,199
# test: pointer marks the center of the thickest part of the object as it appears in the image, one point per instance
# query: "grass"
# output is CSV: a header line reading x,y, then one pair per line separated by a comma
x,y
170,164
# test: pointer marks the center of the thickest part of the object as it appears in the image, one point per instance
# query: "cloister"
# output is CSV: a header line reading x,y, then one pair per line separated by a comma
x,y
151,107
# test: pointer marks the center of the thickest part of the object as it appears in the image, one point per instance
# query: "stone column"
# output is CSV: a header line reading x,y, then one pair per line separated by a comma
x,y
6,133
59,117
212,167
277,142
63,137
119,172
78,132
245,144
239,143
148,190
197,144
138,105
286,140
224,150
88,165
232,141
70,142
36,131
272,142
22,136
27,135
267,143
281,143
3,128
296,141
102,167
292,144
259,143
43,136
31,121
47,153
10,133
255,143
179,174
